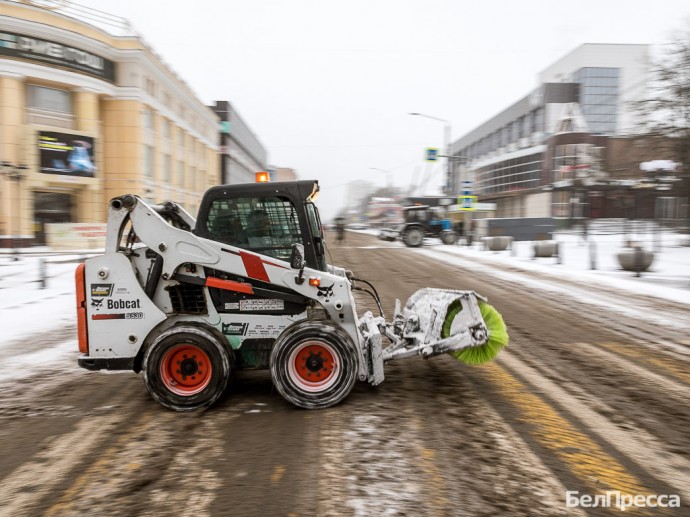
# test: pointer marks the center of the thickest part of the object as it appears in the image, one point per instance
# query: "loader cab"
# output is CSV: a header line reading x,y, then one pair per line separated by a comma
x,y
265,218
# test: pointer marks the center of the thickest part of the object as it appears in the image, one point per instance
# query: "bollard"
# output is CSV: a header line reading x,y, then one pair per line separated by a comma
x,y
42,274
592,254
638,261
559,251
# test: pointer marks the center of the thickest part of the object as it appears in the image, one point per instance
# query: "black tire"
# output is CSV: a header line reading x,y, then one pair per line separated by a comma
x,y
448,237
314,364
186,368
413,238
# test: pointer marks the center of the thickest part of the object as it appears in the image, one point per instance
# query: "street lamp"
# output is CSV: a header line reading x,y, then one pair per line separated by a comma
x,y
14,173
449,187
387,173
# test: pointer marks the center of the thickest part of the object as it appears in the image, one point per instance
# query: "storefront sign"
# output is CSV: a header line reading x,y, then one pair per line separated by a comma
x,y
77,236
49,52
62,153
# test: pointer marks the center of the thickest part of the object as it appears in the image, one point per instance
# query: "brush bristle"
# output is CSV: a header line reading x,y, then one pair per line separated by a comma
x,y
498,335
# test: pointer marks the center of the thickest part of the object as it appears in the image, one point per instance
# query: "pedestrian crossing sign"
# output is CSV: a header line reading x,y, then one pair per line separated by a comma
x,y
431,154
467,203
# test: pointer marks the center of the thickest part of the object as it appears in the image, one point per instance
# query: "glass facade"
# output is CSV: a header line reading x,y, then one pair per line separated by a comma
x,y
599,97
570,160
509,175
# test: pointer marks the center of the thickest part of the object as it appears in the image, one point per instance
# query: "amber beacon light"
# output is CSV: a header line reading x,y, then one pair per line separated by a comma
x,y
262,177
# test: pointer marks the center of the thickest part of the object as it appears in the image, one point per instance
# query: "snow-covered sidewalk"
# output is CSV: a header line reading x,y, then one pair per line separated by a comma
x,y
26,308
667,278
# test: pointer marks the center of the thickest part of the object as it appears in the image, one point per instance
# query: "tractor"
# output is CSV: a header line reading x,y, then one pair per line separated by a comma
x,y
421,221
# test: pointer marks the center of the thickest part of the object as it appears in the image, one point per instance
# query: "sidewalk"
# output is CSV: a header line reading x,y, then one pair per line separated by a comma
x,y
26,306
667,278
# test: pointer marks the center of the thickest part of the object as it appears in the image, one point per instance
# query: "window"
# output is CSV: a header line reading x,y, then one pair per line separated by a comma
x,y
147,118
180,173
264,225
150,86
166,168
49,99
148,161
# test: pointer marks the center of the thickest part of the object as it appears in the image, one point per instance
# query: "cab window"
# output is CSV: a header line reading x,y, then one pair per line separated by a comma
x,y
266,225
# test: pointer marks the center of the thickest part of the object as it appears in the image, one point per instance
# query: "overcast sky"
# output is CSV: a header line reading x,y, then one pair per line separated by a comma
x,y
327,85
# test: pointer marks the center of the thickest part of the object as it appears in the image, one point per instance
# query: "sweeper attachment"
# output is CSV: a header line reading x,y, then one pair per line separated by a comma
x,y
246,286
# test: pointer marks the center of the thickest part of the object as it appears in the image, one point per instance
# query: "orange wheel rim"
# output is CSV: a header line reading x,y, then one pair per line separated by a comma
x,y
186,369
313,365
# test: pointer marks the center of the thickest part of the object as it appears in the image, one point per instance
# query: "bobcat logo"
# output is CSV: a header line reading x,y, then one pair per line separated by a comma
x,y
325,292
97,303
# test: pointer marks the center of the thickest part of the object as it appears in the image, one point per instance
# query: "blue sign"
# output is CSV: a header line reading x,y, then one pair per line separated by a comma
x,y
431,154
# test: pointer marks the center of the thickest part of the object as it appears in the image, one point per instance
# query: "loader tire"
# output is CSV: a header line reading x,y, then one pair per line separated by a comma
x,y
314,364
186,368
413,238
449,237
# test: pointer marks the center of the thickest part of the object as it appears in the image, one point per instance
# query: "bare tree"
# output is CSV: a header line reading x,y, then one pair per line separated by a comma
x,y
665,112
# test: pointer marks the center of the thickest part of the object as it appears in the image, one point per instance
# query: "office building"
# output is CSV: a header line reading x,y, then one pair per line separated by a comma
x,y
577,124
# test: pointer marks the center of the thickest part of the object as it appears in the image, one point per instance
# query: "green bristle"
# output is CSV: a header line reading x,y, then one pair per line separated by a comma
x,y
498,335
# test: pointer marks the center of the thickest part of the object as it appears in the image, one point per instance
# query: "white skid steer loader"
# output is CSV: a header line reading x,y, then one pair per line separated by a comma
x,y
244,286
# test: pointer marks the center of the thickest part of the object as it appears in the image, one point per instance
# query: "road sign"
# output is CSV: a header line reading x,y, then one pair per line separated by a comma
x,y
467,203
431,154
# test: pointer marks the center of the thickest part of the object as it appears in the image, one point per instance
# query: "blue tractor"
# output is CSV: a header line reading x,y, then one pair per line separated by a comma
x,y
425,221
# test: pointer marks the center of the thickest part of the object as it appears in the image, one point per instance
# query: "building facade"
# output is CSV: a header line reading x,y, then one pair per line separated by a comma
x,y
87,115
574,130
241,152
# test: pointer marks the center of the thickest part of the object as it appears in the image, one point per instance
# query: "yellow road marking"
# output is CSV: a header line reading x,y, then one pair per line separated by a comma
x,y
277,474
669,366
583,457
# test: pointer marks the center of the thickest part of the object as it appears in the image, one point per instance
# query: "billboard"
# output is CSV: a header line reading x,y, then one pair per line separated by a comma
x,y
19,46
62,153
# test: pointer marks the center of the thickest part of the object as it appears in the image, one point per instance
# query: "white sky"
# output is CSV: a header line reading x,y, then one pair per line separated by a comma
x,y
327,86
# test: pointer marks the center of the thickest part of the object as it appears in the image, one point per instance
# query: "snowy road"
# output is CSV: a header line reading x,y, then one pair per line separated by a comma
x,y
591,395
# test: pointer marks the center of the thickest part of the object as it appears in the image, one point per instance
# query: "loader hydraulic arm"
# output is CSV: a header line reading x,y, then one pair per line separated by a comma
x,y
175,245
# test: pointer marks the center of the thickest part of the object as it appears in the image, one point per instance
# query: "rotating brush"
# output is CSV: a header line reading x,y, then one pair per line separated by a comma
x,y
498,335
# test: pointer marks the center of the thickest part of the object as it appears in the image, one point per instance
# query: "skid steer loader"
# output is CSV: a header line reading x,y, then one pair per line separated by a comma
x,y
246,285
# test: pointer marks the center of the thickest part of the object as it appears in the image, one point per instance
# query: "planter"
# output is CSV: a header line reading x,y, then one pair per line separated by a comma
x,y
545,248
499,243
635,259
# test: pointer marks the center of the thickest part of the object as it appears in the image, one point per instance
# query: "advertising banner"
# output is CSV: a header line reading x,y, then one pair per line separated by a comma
x,y
48,52
75,236
66,154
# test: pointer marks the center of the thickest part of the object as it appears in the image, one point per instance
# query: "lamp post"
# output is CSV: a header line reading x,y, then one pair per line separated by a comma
x,y
14,173
449,187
